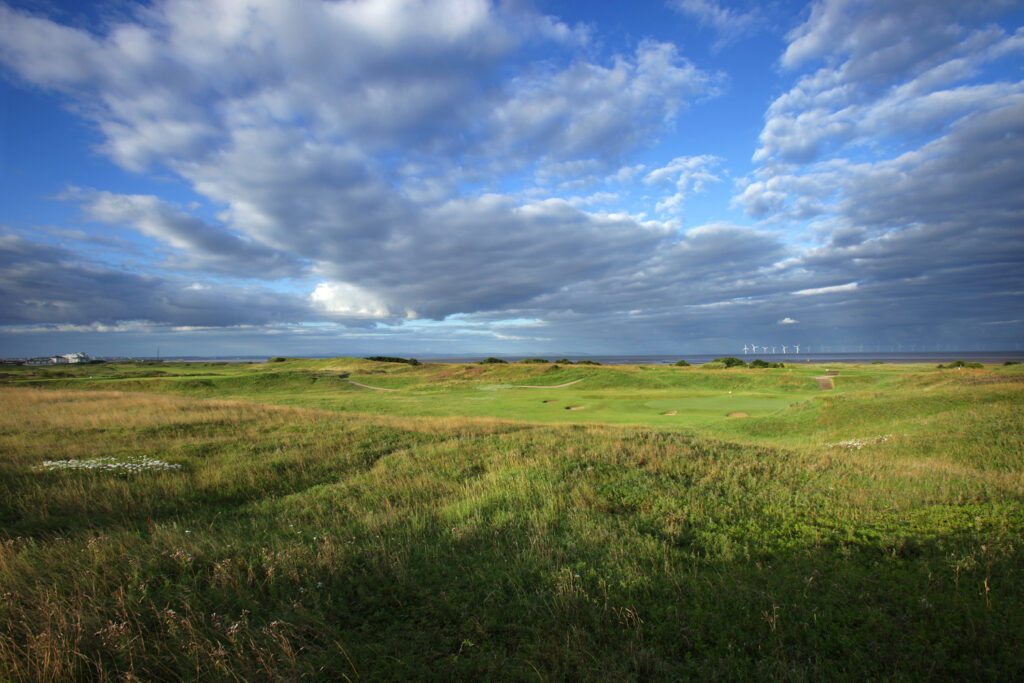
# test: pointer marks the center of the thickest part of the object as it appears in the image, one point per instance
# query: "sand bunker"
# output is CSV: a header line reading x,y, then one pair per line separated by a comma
x,y
574,407
671,412
824,382
737,415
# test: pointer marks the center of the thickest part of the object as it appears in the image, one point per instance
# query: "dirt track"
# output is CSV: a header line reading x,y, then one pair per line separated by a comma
x,y
555,386
367,386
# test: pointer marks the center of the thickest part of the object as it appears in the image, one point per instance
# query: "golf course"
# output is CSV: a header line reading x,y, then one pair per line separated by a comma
x,y
353,519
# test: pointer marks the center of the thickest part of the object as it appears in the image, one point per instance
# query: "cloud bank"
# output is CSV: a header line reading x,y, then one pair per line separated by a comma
x,y
371,164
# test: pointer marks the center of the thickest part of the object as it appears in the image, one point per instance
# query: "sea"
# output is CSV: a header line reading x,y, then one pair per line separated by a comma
x,y
936,357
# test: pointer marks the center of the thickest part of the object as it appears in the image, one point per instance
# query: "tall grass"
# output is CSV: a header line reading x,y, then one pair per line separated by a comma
x,y
305,543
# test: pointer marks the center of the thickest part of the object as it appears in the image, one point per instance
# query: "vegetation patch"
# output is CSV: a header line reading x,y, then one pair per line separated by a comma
x,y
317,531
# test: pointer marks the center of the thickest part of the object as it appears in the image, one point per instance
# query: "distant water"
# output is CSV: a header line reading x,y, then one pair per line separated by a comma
x,y
996,357
991,357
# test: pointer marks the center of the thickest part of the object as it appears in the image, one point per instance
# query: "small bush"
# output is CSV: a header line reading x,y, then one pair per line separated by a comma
x,y
961,364
277,359
682,364
491,360
758,363
534,361
878,362
731,362
393,359
564,361
587,362
1012,362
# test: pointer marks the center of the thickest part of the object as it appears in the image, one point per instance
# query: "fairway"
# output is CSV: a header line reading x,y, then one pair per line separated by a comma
x,y
283,520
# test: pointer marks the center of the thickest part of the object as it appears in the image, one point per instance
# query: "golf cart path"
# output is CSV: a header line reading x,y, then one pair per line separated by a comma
x,y
555,386
367,386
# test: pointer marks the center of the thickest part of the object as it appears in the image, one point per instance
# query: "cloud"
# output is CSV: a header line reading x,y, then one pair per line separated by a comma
x,y
788,321
43,284
729,23
325,134
197,244
689,174
370,164
344,299
592,109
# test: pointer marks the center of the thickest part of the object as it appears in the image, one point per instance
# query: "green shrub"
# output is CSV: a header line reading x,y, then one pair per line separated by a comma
x,y
587,362
1012,362
682,364
564,361
277,359
535,361
393,359
731,362
758,363
961,364
491,360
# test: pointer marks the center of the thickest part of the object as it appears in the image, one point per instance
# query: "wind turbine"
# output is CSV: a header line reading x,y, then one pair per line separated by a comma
x,y
744,349
753,348
764,349
784,347
797,346
773,349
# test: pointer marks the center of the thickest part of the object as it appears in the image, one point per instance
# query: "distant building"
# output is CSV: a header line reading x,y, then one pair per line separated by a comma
x,y
75,358
59,360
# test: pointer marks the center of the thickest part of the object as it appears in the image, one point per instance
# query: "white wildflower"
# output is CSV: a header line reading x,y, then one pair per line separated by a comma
x,y
132,464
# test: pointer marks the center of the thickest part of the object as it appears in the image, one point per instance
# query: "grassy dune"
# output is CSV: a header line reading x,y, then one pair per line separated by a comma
x,y
460,527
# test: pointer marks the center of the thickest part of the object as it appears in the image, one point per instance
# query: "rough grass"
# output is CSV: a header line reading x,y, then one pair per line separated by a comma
x,y
296,542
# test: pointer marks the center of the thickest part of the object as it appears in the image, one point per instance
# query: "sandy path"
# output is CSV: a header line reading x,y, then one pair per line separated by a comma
x,y
367,386
555,386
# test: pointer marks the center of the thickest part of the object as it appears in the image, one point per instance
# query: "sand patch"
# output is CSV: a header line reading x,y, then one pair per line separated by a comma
x,y
825,382
367,386
737,415
574,407
671,412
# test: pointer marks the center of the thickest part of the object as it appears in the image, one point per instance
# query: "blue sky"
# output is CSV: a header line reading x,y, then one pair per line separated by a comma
x,y
224,177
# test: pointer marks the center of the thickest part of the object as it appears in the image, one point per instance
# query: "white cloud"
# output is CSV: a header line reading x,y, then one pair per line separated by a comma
x,y
848,287
729,23
348,300
689,174
788,321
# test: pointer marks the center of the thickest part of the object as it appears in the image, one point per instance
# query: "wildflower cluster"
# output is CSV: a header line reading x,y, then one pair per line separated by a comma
x,y
857,444
131,465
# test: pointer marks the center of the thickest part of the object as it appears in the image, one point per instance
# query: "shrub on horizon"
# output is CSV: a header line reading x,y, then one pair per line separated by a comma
x,y
277,359
961,364
758,363
535,361
393,359
491,360
731,362
682,364
1012,362
587,362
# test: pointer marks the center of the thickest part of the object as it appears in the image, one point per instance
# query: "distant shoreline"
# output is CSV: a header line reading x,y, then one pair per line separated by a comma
x,y
987,357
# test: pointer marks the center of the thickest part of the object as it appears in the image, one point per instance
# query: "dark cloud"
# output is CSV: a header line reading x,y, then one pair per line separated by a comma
x,y
42,284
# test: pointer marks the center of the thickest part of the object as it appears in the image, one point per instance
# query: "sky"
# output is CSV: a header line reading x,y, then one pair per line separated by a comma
x,y
413,177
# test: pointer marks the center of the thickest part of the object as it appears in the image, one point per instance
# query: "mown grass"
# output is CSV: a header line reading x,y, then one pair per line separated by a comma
x,y
300,542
